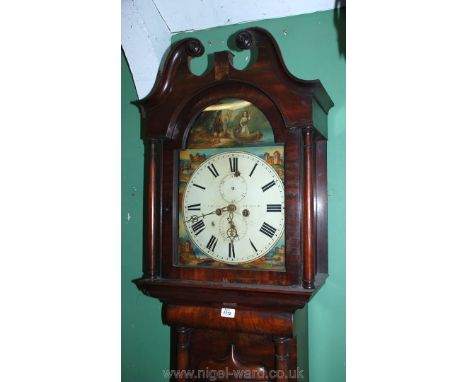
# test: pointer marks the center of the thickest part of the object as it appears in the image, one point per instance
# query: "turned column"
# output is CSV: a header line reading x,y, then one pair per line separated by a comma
x,y
152,213
183,348
282,358
308,208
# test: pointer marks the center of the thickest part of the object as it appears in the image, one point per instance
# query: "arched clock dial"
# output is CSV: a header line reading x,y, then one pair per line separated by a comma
x,y
233,207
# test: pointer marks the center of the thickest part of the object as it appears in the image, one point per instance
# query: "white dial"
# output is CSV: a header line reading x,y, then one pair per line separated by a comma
x,y
233,207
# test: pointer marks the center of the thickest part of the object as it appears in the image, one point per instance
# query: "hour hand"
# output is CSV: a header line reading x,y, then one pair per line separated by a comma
x,y
218,211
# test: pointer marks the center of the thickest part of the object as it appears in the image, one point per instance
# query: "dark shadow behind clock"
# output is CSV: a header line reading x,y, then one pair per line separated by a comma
x,y
261,338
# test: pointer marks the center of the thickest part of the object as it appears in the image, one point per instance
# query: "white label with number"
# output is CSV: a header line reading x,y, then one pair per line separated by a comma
x,y
227,312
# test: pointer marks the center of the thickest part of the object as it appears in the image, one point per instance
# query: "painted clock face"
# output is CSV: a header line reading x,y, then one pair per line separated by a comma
x,y
233,207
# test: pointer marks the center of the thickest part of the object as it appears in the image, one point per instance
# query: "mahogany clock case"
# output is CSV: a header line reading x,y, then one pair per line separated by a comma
x,y
263,334
296,110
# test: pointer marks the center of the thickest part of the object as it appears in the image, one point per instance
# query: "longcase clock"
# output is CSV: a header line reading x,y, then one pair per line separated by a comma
x,y
235,209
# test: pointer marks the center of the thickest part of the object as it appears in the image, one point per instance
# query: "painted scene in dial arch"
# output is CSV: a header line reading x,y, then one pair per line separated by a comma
x,y
230,123
190,254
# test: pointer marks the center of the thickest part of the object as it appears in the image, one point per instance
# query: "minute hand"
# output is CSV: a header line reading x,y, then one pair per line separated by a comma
x,y
232,231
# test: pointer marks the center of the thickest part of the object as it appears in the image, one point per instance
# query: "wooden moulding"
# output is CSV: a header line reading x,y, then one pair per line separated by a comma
x,y
245,320
274,298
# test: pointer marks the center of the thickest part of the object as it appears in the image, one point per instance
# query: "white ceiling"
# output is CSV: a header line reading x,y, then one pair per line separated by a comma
x,y
147,25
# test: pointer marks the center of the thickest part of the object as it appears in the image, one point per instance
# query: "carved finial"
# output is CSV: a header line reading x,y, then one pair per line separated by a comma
x,y
244,40
195,48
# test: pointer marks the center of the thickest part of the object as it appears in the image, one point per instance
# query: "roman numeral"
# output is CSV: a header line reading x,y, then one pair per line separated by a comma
x,y
268,186
273,207
198,227
212,243
213,170
253,246
197,185
231,250
194,207
268,230
234,164
254,167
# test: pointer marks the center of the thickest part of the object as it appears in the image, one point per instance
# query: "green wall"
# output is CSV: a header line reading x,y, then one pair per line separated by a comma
x,y
309,45
144,338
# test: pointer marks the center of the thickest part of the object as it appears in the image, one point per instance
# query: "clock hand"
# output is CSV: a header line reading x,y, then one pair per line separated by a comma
x,y
218,211
232,231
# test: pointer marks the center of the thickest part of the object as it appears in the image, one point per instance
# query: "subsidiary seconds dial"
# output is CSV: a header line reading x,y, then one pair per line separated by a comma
x,y
233,207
